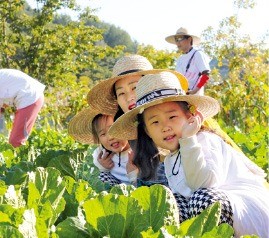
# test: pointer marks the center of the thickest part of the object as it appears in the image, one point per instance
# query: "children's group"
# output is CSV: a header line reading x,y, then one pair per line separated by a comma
x,y
156,126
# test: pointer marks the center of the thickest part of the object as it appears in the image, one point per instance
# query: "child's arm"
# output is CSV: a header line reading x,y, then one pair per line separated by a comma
x,y
131,169
202,160
199,172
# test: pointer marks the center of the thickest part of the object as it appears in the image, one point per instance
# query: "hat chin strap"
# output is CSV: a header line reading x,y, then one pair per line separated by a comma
x,y
159,94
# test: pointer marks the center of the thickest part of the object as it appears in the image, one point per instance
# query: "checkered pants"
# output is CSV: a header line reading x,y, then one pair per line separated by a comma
x,y
109,178
200,200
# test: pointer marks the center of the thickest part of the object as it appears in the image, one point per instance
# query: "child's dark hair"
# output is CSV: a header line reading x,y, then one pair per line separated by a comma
x,y
146,156
94,127
119,111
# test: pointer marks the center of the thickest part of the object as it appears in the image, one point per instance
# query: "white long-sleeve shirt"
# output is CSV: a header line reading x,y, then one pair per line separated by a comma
x,y
18,89
119,169
206,161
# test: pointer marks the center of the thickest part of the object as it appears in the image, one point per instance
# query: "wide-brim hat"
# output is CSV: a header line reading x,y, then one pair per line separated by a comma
x,y
182,32
101,96
80,126
156,89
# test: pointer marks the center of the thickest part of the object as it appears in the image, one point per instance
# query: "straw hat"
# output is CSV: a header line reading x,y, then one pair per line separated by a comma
x,y
155,89
101,96
80,126
182,32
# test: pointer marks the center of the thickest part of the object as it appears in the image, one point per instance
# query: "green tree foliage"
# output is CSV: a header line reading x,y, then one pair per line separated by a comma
x,y
57,55
160,59
243,92
114,36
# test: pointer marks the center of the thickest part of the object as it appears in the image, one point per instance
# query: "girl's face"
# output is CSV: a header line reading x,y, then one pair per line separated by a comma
x,y
164,123
125,92
112,144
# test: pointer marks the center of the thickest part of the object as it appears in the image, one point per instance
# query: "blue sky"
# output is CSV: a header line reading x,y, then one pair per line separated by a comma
x,y
150,21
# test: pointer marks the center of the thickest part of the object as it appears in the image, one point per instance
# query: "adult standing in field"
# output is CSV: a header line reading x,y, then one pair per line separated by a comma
x,y
26,95
193,63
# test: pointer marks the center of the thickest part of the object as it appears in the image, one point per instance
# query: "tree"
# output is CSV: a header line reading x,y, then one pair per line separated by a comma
x,y
55,54
243,91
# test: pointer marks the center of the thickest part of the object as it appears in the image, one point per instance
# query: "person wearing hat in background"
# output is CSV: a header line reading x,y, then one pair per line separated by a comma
x,y
201,167
193,63
25,93
118,94
112,156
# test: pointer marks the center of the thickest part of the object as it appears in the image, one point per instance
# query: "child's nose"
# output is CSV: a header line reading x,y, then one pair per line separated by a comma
x,y
166,128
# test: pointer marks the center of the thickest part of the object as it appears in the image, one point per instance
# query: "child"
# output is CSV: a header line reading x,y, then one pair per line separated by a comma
x,y
111,157
201,167
118,94
25,93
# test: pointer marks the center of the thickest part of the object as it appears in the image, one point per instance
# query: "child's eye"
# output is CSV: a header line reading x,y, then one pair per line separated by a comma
x,y
171,117
155,122
134,88
103,134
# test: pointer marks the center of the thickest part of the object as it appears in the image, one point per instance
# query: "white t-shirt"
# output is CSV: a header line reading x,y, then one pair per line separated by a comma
x,y
119,169
198,64
206,161
18,89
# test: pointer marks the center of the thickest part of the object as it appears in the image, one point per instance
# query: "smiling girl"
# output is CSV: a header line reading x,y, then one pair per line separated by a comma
x,y
201,167
112,156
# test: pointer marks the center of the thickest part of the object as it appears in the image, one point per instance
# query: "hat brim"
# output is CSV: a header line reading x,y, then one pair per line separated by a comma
x,y
102,98
171,39
125,127
80,126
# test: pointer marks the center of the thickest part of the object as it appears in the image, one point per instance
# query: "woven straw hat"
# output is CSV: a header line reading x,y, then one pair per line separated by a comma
x,y
101,96
182,32
155,89
80,126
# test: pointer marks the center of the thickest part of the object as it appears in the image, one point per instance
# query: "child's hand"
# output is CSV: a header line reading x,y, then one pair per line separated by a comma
x,y
130,166
105,159
192,126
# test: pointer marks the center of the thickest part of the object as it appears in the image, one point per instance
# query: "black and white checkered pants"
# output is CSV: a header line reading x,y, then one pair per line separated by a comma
x,y
109,178
200,200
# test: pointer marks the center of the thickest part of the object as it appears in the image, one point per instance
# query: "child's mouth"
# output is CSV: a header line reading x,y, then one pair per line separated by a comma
x,y
169,138
132,106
